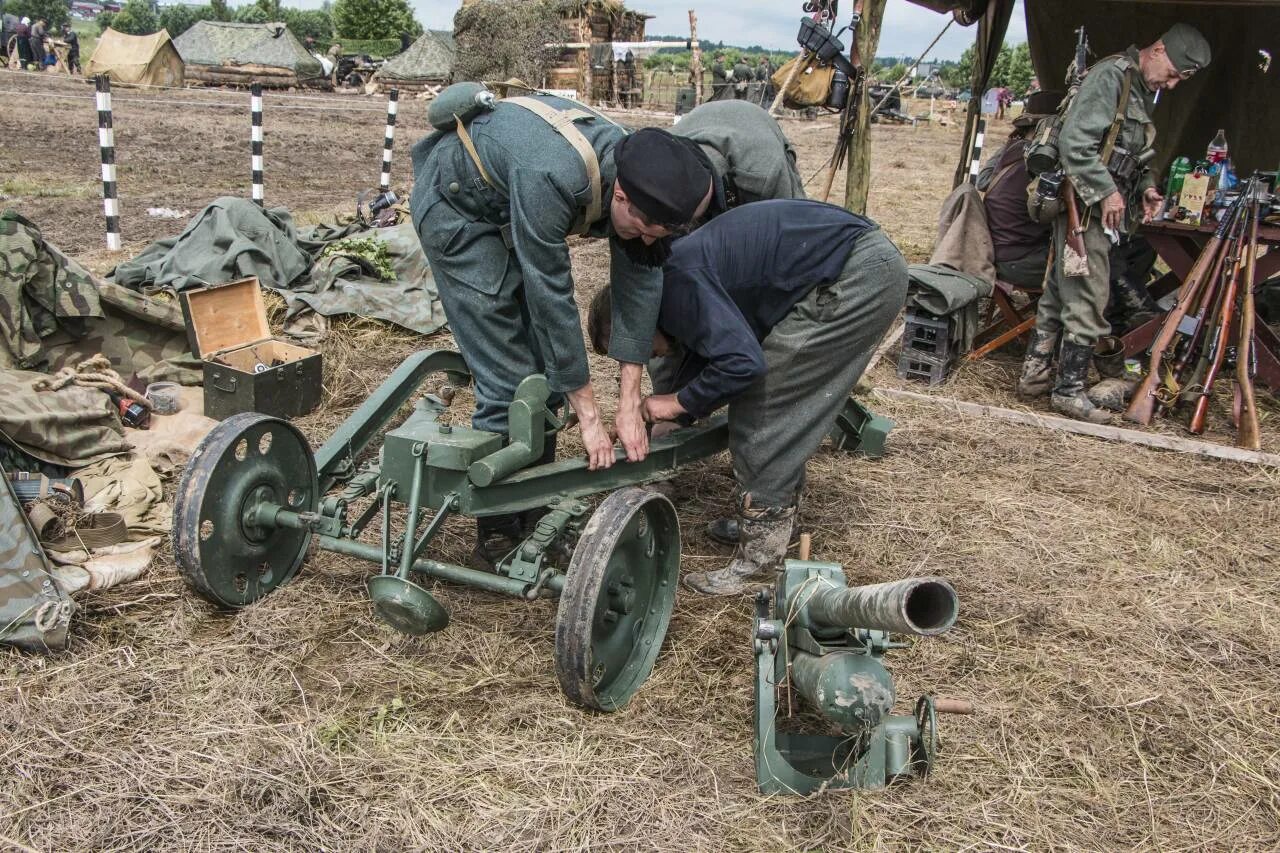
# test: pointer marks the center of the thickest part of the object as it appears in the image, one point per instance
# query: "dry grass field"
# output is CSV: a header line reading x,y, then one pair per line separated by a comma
x,y
1119,632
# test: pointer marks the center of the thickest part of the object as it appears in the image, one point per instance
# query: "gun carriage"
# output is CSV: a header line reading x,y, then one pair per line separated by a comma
x,y
254,499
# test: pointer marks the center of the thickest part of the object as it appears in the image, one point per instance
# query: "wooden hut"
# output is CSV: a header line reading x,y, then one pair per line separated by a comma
x,y
595,60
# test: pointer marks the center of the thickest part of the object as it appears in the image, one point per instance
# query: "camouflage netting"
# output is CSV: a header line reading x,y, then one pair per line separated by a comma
x,y
499,39
220,43
429,59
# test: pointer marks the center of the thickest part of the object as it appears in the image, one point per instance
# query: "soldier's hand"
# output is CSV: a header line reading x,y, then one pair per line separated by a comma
x,y
662,407
631,432
599,445
1113,212
1151,203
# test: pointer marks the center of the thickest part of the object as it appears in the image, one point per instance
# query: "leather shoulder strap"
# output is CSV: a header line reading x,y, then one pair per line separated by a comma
x,y
563,123
1121,106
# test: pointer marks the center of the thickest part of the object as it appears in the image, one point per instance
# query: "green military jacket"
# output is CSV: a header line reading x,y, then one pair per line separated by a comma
x,y
539,189
1088,121
718,76
747,149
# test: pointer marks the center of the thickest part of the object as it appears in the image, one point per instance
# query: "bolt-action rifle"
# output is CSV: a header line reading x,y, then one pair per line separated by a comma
x,y
1247,429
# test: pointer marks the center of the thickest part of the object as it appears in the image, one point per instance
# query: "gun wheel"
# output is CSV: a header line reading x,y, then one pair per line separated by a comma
x,y
617,599
248,458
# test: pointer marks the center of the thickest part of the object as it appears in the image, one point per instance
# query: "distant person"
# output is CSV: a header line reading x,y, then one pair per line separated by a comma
x,y
335,56
405,41
719,78
742,75
764,76
73,49
23,32
37,44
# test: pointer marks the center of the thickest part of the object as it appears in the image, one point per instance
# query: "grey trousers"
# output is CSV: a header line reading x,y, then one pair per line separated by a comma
x,y
815,357
494,330
1076,305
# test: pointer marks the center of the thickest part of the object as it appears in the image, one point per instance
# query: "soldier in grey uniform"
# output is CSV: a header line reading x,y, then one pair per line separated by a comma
x,y
1104,161
494,200
751,157
719,78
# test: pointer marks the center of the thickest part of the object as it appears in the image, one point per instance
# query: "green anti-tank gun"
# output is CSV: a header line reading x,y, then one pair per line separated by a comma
x,y
254,499
823,639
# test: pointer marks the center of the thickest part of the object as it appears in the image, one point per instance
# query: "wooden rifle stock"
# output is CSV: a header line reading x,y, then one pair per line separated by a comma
x,y
1143,404
1075,236
1222,335
1247,433
1204,309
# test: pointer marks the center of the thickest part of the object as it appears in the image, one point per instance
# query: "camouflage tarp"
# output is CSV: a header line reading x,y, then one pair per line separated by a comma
x,y
71,428
41,292
34,611
64,314
430,58
223,43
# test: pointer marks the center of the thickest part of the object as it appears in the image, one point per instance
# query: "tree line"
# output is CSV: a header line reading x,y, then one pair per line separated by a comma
x,y
349,19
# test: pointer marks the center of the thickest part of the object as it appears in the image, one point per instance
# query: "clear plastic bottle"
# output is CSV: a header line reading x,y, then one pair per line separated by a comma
x,y
1217,150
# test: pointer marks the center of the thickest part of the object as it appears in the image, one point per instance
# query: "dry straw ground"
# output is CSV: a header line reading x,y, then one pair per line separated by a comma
x,y
1119,631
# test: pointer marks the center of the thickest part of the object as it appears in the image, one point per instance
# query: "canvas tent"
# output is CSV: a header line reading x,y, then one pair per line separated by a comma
x,y
427,63
223,52
141,60
1234,93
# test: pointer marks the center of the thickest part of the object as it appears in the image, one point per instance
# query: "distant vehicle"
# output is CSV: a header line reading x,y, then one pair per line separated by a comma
x,y
930,92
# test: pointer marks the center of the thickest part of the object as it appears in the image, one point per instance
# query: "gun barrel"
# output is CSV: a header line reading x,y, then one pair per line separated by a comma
x,y
922,606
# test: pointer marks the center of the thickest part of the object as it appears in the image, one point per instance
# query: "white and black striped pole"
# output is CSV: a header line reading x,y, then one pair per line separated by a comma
x,y
975,163
255,142
393,96
107,150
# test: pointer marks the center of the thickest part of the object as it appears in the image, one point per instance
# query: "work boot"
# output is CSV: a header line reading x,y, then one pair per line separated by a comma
x,y
1131,304
763,536
1037,365
725,531
1069,396
496,537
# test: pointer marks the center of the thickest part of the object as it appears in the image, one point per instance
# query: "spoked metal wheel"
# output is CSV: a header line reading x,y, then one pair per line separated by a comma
x,y
247,459
617,598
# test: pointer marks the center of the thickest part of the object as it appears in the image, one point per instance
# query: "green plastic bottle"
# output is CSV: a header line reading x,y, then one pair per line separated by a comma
x,y
1178,171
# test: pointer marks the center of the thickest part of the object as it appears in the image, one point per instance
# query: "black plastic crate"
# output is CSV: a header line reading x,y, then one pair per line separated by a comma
x,y
928,335
920,367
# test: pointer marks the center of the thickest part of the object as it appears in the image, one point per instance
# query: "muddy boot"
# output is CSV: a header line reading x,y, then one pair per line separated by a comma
x,y
1114,391
1037,366
496,537
1131,304
725,531
1069,396
763,533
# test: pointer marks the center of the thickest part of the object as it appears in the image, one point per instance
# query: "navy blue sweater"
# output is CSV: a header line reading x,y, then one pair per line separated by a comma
x,y
729,283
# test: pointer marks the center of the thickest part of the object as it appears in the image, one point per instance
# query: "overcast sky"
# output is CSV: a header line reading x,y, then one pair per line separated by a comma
x,y
908,28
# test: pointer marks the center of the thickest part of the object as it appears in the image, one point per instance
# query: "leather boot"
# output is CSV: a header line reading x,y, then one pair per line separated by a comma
x,y
1037,370
1069,396
763,536
1115,389
1131,304
726,530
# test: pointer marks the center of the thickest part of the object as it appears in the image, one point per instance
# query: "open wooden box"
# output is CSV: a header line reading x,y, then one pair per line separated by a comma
x,y
245,369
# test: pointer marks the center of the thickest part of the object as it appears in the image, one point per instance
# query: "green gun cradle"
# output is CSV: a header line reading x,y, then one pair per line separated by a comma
x,y
254,499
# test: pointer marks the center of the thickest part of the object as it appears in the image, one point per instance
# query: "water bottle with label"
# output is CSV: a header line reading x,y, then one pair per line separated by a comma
x,y
1216,153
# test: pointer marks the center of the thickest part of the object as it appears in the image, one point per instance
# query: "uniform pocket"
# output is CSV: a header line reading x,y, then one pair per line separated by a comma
x,y
461,249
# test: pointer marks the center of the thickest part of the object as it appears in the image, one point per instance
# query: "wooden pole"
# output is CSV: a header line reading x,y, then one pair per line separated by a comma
x,y
1106,431
858,178
695,64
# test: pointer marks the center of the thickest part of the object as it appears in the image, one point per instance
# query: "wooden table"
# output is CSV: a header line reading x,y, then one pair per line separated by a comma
x,y
1179,246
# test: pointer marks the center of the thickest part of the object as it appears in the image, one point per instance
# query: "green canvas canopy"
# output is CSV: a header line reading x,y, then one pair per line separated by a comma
x,y
225,52
428,60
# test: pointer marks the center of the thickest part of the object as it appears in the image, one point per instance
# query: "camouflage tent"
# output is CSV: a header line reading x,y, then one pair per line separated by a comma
x,y
225,52
427,62
144,60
